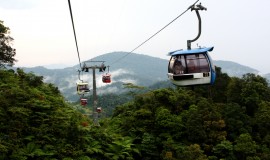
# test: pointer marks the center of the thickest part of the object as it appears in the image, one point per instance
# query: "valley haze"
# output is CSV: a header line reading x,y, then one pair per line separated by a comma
x,y
139,69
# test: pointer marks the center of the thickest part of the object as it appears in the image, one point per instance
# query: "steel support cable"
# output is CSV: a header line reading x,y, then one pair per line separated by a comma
x,y
70,10
154,34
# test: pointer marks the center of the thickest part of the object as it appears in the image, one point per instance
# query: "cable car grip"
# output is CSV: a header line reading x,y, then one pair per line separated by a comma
x,y
196,8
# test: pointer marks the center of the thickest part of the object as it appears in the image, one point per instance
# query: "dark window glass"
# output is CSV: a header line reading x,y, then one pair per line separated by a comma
x,y
191,63
204,64
197,63
171,64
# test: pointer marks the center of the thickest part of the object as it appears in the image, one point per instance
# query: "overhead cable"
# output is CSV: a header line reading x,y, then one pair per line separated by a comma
x,y
74,33
155,33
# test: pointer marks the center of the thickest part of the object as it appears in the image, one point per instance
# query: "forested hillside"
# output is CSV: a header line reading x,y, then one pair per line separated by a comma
x,y
36,123
229,120
35,120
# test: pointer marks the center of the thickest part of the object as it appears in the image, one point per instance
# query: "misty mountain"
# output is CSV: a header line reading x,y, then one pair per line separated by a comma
x,y
142,70
267,76
234,69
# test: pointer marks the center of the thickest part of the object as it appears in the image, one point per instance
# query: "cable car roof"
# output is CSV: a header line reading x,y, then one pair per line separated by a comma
x,y
191,51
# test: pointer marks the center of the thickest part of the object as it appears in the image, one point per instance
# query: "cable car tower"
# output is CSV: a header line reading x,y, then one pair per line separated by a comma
x,y
93,65
192,66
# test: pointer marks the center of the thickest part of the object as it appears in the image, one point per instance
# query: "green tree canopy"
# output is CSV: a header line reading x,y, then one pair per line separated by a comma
x,y
7,53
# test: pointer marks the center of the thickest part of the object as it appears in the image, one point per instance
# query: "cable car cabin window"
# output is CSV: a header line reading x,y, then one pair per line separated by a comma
x,y
177,65
189,63
197,63
192,65
183,62
212,65
171,64
204,63
83,87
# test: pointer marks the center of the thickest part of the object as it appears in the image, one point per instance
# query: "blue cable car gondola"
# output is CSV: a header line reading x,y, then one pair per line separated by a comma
x,y
192,66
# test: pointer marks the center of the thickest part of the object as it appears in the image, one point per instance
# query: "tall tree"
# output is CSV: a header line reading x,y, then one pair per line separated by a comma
x,y
7,53
245,146
254,91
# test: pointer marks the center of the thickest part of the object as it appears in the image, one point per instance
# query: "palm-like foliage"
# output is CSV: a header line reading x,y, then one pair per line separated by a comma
x,y
122,148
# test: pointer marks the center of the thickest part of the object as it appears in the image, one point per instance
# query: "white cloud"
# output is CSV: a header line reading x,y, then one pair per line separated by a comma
x,y
108,90
48,79
120,72
126,80
71,81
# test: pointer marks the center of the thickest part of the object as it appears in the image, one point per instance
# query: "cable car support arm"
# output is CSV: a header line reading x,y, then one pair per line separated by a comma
x,y
79,75
196,8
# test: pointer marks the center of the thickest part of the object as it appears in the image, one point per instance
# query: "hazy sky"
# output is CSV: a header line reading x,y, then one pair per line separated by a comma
x,y
43,35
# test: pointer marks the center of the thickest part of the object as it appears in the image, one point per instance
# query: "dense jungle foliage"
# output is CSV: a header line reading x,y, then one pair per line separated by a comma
x,y
229,120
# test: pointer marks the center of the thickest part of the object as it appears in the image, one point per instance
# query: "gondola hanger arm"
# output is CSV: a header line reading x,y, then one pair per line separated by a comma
x,y
196,8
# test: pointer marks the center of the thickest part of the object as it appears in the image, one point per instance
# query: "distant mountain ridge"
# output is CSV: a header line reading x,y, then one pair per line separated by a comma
x,y
125,67
234,69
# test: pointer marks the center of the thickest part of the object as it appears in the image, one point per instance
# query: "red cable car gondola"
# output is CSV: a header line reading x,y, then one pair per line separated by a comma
x,y
106,78
84,101
99,109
